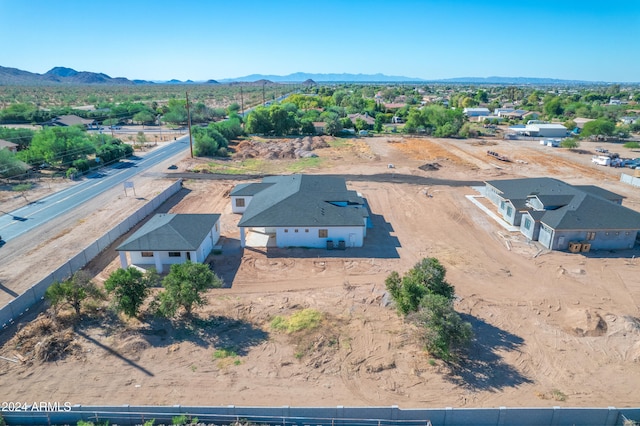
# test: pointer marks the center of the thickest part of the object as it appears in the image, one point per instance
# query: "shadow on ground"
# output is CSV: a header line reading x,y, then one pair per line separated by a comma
x,y
217,332
485,369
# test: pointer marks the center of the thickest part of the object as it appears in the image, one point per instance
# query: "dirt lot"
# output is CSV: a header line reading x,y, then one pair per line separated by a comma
x,y
551,328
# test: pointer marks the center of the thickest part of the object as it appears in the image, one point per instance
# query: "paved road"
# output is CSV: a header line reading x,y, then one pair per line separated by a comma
x,y
25,219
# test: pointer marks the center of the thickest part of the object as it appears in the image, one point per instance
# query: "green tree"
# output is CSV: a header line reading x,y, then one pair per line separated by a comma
x,y
209,141
176,112
58,145
183,288
22,137
234,108
72,292
426,277
601,126
10,165
570,143
361,124
281,121
307,127
144,117
259,121
445,333
130,288
333,126
553,107
378,124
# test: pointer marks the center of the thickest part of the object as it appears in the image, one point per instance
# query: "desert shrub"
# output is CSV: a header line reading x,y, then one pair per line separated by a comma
x,y
306,319
426,277
444,332
82,164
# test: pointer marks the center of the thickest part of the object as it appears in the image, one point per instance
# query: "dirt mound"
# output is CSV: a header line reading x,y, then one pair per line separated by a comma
x,y
429,167
281,149
132,345
583,322
45,340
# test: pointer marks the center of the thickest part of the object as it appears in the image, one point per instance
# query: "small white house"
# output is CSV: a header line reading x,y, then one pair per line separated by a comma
x,y
167,239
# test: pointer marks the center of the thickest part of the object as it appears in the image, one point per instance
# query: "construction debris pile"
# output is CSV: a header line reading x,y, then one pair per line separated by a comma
x,y
280,149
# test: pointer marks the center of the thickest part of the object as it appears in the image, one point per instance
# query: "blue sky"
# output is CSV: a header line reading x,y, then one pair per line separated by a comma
x,y
429,39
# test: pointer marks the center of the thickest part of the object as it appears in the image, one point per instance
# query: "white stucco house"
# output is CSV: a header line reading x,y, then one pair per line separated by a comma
x,y
302,211
557,214
167,239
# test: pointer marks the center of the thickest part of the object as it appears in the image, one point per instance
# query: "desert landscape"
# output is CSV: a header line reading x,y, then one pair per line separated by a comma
x,y
551,328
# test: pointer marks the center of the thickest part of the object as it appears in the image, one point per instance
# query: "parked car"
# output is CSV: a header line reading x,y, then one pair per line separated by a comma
x,y
633,164
602,150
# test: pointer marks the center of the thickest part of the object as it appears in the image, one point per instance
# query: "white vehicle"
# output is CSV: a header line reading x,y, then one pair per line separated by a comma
x,y
601,160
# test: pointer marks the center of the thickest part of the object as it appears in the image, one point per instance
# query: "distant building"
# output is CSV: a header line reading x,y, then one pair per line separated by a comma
x,y
549,130
319,127
364,117
476,112
70,120
13,147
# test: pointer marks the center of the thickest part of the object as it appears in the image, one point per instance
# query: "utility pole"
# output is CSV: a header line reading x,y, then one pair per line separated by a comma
x,y
241,102
264,102
189,124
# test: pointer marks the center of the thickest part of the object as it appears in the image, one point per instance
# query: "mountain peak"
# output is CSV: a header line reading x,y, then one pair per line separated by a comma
x,y
62,72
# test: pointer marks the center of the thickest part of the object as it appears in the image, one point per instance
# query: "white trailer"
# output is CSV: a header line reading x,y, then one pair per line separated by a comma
x,y
601,160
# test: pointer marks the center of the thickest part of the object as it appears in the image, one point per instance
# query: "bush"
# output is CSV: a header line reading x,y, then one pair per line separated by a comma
x,y
306,319
426,277
570,143
71,172
445,333
83,165
632,145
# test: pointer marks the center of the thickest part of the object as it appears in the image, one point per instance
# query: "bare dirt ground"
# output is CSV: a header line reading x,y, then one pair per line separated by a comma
x,y
551,328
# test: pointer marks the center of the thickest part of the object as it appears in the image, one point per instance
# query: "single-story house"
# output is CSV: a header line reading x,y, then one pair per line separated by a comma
x,y
556,214
167,239
319,126
628,120
71,120
476,112
364,117
13,147
516,114
490,118
302,211
531,115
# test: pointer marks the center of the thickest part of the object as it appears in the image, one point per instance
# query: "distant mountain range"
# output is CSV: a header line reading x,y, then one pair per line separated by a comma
x,y
334,78
63,75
